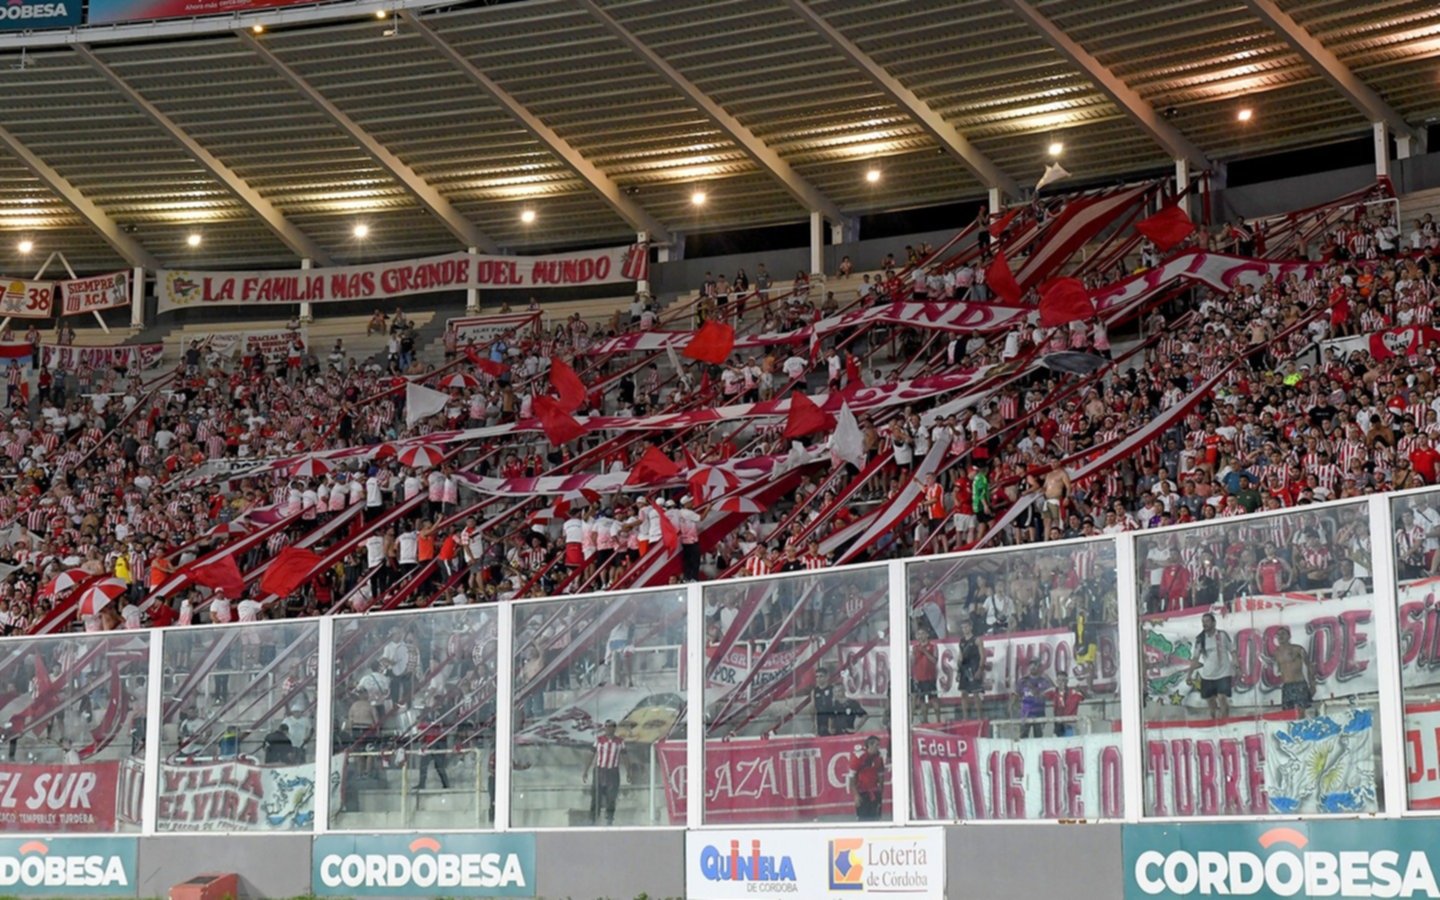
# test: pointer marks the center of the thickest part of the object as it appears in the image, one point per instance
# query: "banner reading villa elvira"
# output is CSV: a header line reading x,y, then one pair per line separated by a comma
x,y
181,288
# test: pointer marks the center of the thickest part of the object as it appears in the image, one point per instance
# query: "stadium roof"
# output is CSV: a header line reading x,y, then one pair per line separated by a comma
x,y
438,125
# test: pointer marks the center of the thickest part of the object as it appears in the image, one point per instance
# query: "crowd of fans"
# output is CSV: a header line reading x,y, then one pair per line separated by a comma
x,y
111,478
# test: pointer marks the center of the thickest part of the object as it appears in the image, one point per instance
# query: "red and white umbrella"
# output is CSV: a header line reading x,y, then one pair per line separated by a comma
x,y
709,482
458,381
741,505
65,582
311,467
421,456
574,499
100,595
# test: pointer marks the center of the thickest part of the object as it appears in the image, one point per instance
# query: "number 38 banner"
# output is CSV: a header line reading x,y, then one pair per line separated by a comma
x,y
26,299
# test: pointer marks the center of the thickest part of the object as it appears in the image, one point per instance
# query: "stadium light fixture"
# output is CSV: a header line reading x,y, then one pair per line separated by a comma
x,y
193,239
698,198
1245,114
257,28
1056,148
26,245
381,14
527,216
362,230
873,175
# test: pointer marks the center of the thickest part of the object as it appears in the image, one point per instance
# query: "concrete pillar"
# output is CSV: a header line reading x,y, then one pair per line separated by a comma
x,y
1182,183
137,297
994,200
642,286
307,314
472,294
817,244
1382,149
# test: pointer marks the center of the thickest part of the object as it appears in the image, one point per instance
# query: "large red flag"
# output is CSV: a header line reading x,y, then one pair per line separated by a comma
x,y
1064,300
652,466
567,384
669,534
854,381
1001,280
712,343
805,418
485,364
559,426
289,570
1166,228
222,575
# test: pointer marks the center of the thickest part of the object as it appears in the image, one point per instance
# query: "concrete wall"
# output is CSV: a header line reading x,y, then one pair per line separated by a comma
x,y
592,864
269,865
998,862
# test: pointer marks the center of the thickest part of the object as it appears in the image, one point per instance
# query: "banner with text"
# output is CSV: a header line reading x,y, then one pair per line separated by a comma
x,y
236,796
102,292
1422,754
1278,764
181,289
837,861
959,775
23,15
273,344
68,357
58,799
781,779
481,330
27,299
1335,634
104,12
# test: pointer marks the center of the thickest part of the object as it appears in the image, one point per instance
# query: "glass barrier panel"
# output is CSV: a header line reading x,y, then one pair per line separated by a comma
x,y
1416,523
797,698
599,711
1014,685
1259,672
237,750
72,751
413,735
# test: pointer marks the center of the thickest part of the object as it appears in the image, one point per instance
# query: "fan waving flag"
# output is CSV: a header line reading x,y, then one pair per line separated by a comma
x,y
712,343
805,418
488,366
422,402
653,466
998,226
1166,228
669,534
854,381
1001,280
289,570
223,575
559,426
1064,300
567,384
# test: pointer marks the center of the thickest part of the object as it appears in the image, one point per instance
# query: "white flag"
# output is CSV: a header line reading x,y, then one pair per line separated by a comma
x,y
1053,173
847,444
421,402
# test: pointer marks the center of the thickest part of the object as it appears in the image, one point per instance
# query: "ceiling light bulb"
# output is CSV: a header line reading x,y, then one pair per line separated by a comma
x,y
257,28
872,176
698,198
1244,115
527,216
26,246
193,239
362,230
380,13
1056,148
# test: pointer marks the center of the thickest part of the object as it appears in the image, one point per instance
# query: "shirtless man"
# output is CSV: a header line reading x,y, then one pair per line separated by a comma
x,y
1057,491
1297,675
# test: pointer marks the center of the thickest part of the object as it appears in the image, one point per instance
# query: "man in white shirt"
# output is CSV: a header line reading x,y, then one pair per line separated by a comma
x,y
1215,658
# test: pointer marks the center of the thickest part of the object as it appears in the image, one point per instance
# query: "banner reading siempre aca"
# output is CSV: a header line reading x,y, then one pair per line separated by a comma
x,y
813,863
180,289
69,867
444,865
1269,860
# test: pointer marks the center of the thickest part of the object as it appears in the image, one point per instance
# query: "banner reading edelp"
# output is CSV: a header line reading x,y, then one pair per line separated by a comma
x,y
180,289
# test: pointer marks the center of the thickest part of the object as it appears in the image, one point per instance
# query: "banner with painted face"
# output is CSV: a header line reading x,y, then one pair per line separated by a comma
x,y
236,796
779,779
101,292
1336,636
181,289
